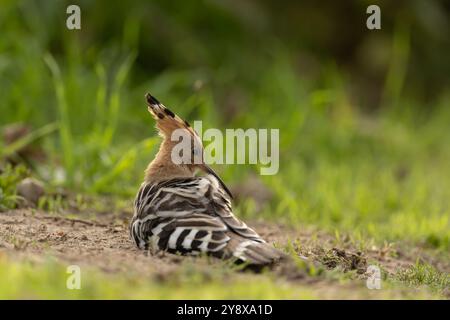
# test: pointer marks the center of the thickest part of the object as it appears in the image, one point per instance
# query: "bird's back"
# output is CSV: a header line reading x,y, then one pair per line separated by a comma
x,y
191,216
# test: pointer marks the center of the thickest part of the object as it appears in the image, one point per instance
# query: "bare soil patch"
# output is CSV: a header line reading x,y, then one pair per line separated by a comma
x,y
104,243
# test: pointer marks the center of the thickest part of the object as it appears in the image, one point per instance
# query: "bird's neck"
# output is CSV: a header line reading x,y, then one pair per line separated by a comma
x,y
163,168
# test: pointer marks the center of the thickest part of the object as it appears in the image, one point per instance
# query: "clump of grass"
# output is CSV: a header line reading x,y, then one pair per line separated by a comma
x,y
9,178
422,274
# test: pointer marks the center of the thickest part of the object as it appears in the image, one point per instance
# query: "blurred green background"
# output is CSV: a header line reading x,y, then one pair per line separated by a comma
x,y
363,115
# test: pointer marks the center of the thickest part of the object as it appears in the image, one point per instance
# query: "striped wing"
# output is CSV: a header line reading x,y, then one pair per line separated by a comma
x,y
188,215
193,234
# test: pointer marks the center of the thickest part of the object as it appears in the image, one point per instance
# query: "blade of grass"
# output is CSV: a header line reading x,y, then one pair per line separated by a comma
x,y
114,107
65,131
399,64
124,163
27,139
101,96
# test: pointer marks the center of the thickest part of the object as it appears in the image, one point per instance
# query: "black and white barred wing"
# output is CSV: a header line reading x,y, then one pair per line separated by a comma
x,y
190,235
191,216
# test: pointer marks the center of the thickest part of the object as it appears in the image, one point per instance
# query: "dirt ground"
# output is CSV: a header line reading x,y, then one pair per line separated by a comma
x,y
104,243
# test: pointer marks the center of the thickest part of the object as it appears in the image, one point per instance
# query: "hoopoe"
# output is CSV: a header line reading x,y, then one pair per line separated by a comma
x,y
179,212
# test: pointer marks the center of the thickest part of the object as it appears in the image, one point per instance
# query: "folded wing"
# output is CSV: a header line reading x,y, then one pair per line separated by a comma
x,y
194,215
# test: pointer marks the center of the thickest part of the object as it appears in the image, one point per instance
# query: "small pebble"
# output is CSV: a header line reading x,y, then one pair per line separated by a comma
x,y
31,189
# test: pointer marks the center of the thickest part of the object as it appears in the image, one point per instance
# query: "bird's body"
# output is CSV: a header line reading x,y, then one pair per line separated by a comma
x,y
178,212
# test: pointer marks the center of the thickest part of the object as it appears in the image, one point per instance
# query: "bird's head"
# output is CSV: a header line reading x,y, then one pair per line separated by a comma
x,y
181,153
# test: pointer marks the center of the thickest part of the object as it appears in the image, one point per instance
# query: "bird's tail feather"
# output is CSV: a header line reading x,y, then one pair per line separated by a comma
x,y
256,253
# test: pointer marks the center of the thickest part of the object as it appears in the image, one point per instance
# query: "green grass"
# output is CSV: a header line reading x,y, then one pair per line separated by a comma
x,y
425,275
27,280
9,178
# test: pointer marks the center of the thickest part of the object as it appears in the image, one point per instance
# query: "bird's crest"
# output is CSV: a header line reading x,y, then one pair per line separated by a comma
x,y
166,120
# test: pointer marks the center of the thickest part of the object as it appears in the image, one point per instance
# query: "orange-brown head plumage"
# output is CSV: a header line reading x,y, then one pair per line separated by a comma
x,y
163,166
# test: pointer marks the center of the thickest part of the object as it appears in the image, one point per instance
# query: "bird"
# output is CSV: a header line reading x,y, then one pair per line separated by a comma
x,y
180,212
